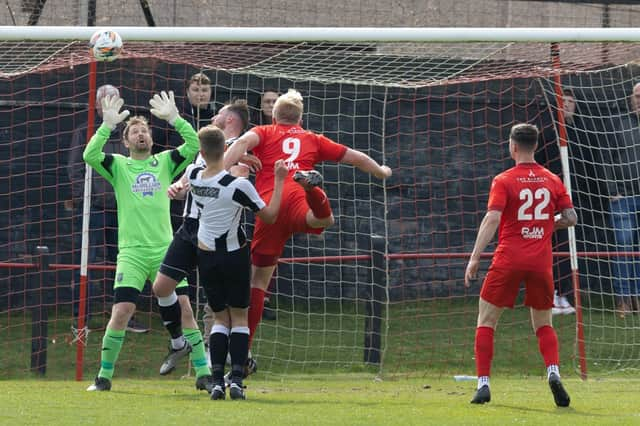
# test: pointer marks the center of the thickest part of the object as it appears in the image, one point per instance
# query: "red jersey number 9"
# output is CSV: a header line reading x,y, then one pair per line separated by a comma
x,y
291,146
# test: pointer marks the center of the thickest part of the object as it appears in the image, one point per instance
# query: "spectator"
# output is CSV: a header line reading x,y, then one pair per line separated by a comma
x,y
199,112
623,180
263,112
548,155
103,218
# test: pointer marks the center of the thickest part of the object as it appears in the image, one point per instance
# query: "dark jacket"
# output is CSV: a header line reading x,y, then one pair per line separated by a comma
x,y
102,196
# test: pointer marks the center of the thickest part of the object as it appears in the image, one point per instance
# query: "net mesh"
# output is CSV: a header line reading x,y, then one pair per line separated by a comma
x,y
438,114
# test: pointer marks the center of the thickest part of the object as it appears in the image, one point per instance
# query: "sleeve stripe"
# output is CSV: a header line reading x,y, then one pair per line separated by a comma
x,y
243,199
107,162
177,159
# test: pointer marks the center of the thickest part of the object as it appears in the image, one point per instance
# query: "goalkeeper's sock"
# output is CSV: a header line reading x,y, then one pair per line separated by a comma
x,y
197,356
238,349
548,345
255,310
219,344
111,346
172,318
318,202
484,350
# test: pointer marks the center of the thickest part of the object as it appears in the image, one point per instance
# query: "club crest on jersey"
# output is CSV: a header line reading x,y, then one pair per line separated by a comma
x,y
146,184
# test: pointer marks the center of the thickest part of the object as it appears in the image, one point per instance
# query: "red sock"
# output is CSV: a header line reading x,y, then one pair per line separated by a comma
x,y
484,350
318,203
548,345
255,311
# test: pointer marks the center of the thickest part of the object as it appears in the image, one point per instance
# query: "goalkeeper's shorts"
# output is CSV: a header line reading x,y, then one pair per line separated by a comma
x,y
136,265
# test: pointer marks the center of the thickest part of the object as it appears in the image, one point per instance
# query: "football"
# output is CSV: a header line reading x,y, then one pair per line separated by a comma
x,y
105,45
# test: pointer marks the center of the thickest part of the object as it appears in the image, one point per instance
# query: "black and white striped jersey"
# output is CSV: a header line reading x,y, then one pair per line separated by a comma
x,y
221,199
190,209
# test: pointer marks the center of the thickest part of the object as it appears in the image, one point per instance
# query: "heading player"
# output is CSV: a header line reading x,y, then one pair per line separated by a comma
x,y
223,253
305,206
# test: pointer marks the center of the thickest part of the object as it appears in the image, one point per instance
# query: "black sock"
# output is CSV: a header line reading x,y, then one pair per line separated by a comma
x,y
238,349
172,319
218,346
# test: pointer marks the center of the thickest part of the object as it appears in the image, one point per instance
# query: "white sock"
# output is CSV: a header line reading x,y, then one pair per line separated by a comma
x,y
178,343
483,380
553,369
168,300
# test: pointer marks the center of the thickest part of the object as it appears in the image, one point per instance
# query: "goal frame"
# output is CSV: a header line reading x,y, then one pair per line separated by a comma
x,y
551,35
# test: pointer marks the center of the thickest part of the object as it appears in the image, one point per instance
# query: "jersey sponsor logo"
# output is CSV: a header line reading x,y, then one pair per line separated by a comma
x,y
535,233
531,179
119,277
292,166
205,191
146,184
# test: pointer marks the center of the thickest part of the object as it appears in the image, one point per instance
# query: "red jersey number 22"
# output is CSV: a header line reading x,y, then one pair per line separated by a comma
x,y
533,204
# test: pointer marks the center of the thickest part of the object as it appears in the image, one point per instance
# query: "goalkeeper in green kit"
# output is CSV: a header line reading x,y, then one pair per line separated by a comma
x,y
140,183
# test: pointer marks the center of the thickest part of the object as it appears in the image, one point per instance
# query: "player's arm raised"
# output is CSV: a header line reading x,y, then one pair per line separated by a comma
x,y
487,230
365,163
269,214
111,117
163,106
239,148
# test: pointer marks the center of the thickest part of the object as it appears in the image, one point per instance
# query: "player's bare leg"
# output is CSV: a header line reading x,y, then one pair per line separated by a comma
x,y
488,316
548,345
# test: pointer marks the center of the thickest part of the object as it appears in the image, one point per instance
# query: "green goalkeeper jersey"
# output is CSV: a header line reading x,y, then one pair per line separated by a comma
x,y
140,186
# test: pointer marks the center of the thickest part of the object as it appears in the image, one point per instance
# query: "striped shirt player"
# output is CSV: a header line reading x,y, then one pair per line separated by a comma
x,y
223,258
223,254
182,255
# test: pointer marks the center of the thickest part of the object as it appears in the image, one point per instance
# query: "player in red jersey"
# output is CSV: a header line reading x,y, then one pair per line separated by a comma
x,y
305,207
522,204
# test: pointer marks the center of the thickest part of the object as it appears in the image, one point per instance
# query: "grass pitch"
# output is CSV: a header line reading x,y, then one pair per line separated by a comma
x,y
348,400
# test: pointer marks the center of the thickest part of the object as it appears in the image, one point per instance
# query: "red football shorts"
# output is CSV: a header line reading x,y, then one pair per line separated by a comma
x,y
269,240
501,287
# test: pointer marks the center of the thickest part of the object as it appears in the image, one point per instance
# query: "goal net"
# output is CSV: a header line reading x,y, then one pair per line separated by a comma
x,y
379,292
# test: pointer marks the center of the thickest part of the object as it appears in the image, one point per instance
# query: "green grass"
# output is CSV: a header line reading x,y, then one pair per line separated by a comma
x,y
424,338
345,400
